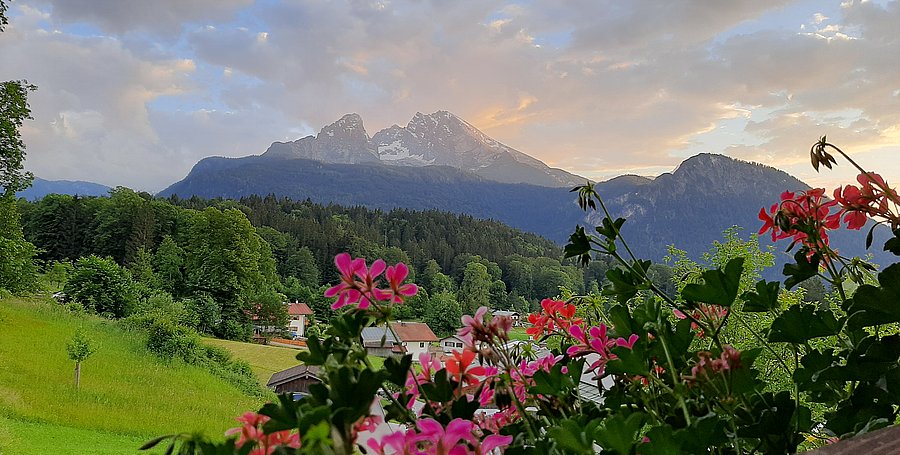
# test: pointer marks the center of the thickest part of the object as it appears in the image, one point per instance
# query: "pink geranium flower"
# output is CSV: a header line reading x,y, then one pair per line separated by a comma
x,y
395,276
348,290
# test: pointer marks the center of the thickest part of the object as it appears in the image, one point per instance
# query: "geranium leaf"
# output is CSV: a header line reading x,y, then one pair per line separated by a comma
x,y
719,287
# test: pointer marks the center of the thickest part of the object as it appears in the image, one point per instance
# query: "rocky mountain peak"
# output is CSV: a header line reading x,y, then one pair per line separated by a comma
x,y
350,126
439,138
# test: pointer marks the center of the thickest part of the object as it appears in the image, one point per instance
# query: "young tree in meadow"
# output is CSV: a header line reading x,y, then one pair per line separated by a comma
x,y
79,348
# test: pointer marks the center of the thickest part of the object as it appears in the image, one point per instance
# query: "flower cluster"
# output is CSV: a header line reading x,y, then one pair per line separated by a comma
x,y
479,329
359,283
251,432
713,315
429,437
806,217
555,315
708,366
596,341
873,198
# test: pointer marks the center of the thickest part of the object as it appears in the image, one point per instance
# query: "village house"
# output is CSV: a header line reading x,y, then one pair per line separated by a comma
x,y
402,338
451,343
511,314
294,380
299,314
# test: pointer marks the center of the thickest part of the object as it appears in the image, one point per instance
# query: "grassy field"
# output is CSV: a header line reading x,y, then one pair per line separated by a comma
x,y
266,360
127,395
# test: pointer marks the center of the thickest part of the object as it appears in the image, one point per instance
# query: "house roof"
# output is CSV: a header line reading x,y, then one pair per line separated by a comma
x,y
505,313
405,331
413,331
297,372
298,309
451,337
372,336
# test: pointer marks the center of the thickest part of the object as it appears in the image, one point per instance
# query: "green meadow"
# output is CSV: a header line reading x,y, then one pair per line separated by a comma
x,y
127,395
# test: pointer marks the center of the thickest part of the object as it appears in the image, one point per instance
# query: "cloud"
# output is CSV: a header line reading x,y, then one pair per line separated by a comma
x,y
158,16
592,86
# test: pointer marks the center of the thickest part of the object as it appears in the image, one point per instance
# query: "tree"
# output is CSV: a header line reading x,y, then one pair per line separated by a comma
x,y
442,313
79,348
100,285
17,268
58,272
14,111
269,311
498,297
475,289
168,262
18,272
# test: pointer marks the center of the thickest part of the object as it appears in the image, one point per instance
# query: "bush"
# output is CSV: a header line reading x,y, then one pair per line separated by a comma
x,y
101,286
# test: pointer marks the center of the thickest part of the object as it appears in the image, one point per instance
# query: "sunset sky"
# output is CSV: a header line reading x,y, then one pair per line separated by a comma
x,y
133,92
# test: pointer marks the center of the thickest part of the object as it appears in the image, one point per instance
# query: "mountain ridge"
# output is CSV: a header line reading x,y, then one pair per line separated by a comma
x,y
440,138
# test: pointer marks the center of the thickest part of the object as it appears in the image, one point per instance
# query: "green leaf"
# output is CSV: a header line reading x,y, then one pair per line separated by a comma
x,y
571,436
662,442
801,323
765,298
893,244
579,246
719,287
397,369
629,361
610,229
873,305
801,271
153,442
619,433
623,284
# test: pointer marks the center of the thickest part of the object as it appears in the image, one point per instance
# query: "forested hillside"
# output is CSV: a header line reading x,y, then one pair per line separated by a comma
x,y
230,262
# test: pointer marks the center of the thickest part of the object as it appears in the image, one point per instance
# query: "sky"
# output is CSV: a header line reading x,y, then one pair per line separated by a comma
x,y
134,93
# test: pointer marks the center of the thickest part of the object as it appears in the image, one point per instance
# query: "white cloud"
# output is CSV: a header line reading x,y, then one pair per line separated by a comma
x,y
621,84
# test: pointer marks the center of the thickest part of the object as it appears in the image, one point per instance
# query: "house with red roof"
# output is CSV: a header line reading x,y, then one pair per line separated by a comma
x,y
401,338
299,314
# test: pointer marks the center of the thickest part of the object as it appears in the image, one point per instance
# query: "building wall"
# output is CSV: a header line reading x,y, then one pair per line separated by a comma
x,y
297,385
298,324
415,348
451,345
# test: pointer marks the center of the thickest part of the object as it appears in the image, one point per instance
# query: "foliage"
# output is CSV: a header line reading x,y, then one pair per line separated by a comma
x,y
14,111
39,414
668,378
80,347
101,286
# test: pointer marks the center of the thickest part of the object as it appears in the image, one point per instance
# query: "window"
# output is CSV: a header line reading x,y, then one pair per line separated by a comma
x,y
421,345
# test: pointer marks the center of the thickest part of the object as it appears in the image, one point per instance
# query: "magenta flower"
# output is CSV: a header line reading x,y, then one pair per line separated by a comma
x,y
395,276
445,441
348,290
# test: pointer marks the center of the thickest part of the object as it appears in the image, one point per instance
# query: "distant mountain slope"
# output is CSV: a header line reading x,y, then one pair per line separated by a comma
x,y
440,139
40,188
550,212
689,207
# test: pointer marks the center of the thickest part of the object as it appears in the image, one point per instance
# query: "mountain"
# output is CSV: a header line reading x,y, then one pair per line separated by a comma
x,y
381,186
438,139
40,188
689,207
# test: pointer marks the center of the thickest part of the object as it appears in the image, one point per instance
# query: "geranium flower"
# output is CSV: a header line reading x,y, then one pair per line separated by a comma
x,y
395,275
250,432
348,290
459,367
555,314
